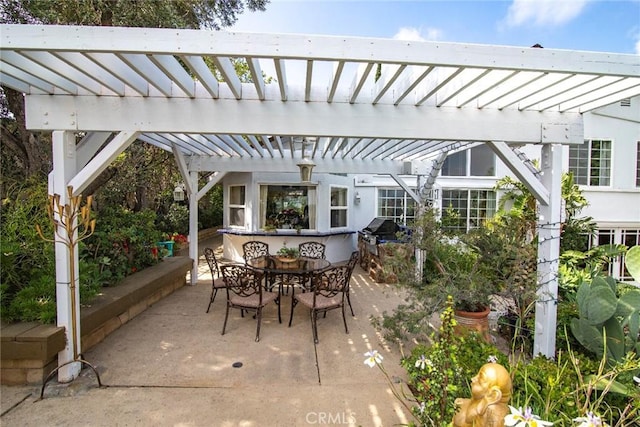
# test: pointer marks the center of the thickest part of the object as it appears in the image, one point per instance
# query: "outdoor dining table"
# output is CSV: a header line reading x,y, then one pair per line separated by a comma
x,y
291,271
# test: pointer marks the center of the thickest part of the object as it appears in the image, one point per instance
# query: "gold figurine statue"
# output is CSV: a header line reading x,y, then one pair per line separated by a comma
x,y
490,394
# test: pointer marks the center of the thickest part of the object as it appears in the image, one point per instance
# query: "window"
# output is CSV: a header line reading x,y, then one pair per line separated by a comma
x,y
482,162
638,164
236,205
395,204
455,164
591,162
339,207
288,206
463,210
627,237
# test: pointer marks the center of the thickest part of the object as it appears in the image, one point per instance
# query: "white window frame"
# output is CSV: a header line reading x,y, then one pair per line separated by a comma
x,y
339,208
490,212
628,236
405,200
587,177
468,157
240,207
638,164
312,203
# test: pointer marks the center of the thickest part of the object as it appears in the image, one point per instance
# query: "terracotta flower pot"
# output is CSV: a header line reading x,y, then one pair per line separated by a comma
x,y
473,321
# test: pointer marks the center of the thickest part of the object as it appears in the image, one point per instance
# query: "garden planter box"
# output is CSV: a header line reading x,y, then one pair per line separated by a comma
x,y
30,350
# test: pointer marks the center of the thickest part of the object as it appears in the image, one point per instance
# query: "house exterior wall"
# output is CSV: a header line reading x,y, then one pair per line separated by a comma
x,y
615,207
340,242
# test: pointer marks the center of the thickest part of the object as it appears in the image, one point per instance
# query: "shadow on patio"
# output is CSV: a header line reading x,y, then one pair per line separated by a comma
x,y
171,366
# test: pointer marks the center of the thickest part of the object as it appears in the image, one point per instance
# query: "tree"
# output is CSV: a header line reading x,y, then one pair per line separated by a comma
x,y
26,153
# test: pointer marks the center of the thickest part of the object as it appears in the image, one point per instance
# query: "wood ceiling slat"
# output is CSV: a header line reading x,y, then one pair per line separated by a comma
x,y
281,75
204,75
149,71
61,68
24,78
335,80
30,67
256,75
121,71
89,67
359,80
176,73
228,72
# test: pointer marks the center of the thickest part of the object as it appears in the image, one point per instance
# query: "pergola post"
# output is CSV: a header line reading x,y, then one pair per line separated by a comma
x,y
548,252
193,225
64,168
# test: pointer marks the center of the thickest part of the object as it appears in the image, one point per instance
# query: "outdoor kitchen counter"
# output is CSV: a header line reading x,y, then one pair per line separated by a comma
x,y
286,232
339,244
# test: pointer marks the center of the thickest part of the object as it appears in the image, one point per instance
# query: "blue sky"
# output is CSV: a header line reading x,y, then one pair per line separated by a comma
x,y
593,25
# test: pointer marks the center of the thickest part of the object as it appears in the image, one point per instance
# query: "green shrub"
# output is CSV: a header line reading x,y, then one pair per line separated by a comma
x,y
573,384
122,245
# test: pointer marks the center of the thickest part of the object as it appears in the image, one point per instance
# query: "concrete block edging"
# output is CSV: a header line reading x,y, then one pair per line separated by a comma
x,y
29,351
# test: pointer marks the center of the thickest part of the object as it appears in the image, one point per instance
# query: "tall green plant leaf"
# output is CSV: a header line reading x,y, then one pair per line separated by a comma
x,y
615,339
600,305
588,335
629,303
632,262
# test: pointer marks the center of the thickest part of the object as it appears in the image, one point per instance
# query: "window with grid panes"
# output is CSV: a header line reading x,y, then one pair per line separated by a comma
x,y
236,205
339,207
395,204
638,164
629,238
591,163
463,210
617,236
601,238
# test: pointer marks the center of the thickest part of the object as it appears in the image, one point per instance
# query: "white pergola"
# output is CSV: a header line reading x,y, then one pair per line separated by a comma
x,y
365,106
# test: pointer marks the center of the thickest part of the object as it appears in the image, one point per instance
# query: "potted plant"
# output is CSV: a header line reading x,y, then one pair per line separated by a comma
x,y
288,253
450,266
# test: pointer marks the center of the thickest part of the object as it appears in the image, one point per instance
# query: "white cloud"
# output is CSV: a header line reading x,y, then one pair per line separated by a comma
x,y
415,34
543,12
638,46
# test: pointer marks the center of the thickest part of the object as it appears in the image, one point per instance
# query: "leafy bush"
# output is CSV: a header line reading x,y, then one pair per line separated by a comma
x,y
28,282
573,385
122,244
25,258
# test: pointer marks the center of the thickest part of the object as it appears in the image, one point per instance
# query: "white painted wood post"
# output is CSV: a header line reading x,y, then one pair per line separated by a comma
x,y
64,168
548,253
193,225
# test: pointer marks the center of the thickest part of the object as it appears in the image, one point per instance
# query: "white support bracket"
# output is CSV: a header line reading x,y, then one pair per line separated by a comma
x,y
521,171
89,146
216,178
184,170
101,161
405,187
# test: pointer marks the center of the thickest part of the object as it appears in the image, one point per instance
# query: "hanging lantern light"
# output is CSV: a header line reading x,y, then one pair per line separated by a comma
x,y
178,193
306,167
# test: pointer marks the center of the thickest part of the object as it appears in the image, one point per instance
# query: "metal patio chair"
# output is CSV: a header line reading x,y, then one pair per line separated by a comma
x,y
245,292
217,281
329,288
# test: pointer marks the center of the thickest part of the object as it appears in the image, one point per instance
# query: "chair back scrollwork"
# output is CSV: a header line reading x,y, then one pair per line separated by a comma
x,y
254,249
312,249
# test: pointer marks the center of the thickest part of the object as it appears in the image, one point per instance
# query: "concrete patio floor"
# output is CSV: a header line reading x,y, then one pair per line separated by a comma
x,y
170,366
